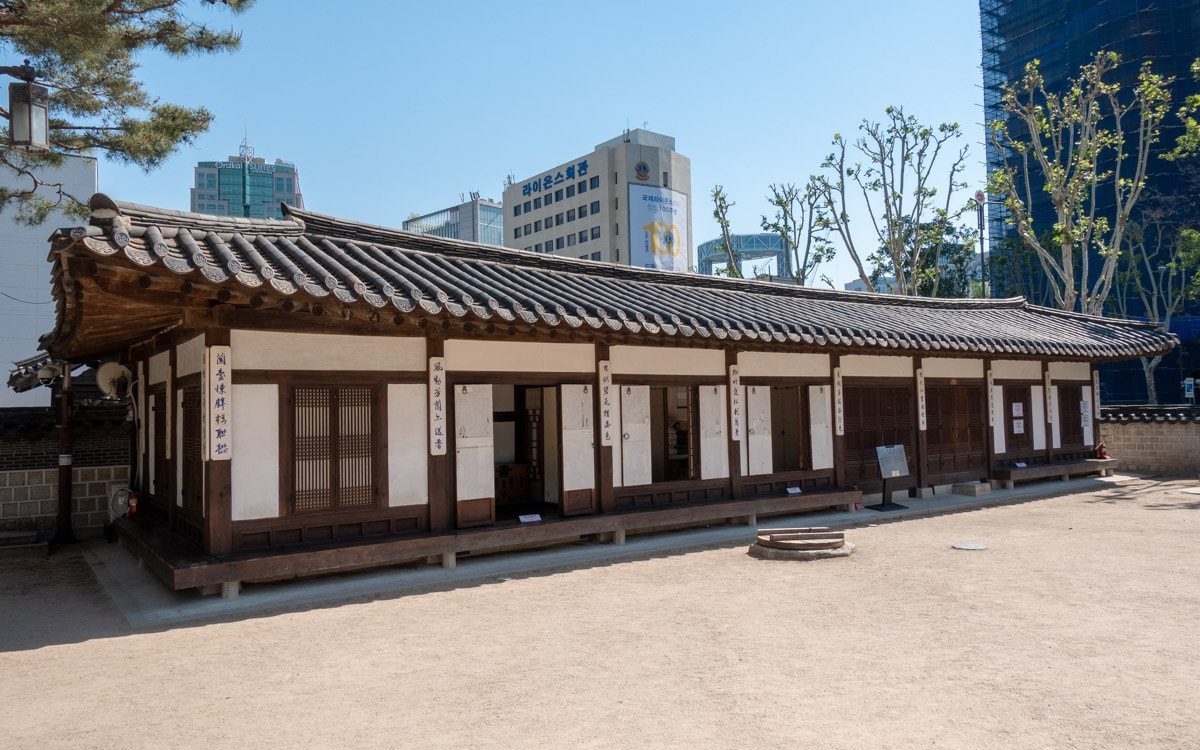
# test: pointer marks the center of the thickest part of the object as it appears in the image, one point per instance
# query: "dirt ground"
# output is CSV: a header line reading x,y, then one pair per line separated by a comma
x,y
1078,627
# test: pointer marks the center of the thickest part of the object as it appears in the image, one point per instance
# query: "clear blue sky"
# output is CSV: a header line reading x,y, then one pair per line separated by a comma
x,y
390,108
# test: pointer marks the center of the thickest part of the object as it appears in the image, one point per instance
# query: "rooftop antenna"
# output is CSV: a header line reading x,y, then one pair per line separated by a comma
x,y
246,151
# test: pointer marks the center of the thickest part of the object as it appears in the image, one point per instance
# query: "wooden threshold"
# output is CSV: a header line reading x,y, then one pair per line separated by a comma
x,y
181,566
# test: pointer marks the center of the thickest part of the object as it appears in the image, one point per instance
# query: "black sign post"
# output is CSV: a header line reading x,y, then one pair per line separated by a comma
x,y
892,465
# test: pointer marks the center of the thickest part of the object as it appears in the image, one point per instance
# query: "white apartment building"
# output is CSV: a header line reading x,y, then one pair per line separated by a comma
x,y
626,202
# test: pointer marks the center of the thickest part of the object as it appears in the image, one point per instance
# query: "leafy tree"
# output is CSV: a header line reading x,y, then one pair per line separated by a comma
x,y
805,246
1014,271
1090,145
1159,263
897,182
85,51
721,206
944,265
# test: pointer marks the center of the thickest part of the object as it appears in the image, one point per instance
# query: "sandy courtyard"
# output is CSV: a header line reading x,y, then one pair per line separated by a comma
x,y
1079,626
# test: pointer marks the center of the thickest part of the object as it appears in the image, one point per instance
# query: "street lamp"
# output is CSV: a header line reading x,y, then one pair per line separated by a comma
x,y
980,201
28,109
52,371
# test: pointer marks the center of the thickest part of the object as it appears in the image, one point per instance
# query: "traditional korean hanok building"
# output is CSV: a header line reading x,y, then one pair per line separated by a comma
x,y
317,394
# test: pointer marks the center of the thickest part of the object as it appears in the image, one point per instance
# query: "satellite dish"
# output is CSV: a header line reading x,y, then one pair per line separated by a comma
x,y
113,380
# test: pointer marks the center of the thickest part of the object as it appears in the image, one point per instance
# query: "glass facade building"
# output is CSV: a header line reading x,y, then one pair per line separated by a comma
x,y
246,186
477,220
1064,35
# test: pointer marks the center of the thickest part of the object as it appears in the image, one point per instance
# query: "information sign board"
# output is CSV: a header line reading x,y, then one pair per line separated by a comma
x,y
892,462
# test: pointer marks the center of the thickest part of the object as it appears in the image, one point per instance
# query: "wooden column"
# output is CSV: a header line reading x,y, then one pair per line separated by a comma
x,y
989,430
173,489
218,480
922,442
839,440
735,448
604,453
1050,416
441,503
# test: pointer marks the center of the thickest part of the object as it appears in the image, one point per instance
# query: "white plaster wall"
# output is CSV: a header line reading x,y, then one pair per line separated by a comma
x,y
944,367
820,425
189,357
518,356
652,360
783,364
876,366
254,468
1016,369
408,444
159,366
714,451
474,464
744,443
635,426
278,350
758,429
997,400
1037,420
578,438
1070,371
1085,416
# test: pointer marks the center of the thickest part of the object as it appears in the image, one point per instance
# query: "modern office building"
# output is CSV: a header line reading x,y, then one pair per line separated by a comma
x,y
246,186
759,254
25,301
626,202
476,220
1064,35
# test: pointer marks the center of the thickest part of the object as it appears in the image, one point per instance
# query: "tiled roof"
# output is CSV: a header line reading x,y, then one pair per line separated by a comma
x,y
311,258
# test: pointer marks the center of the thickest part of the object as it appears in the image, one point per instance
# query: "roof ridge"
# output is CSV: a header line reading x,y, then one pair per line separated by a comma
x,y
105,209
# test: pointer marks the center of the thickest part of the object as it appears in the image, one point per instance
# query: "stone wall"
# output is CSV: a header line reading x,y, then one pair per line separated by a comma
x,y
1153,440
29,468
29,499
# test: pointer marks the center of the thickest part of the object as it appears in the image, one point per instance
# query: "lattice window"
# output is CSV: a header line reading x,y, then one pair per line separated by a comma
x,y
1070,398
333,448
192,450
162,469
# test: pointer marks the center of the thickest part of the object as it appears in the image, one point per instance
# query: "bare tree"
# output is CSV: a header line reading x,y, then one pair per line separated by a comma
x,y
909,215
1084,142
721,206
805,245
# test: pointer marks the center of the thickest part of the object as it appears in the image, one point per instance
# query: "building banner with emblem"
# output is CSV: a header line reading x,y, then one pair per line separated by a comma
x,y
658,223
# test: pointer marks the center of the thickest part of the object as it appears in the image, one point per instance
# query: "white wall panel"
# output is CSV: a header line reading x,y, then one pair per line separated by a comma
x,y
1016,369
1070,371
159,365
518,356
473,458
189,356
820,425
1037,420
714,446
744,443
635,435
783,364
279,350
758,429
578,438
998,437
945,367
653,360
408,447
874,366
1085,416
254,468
